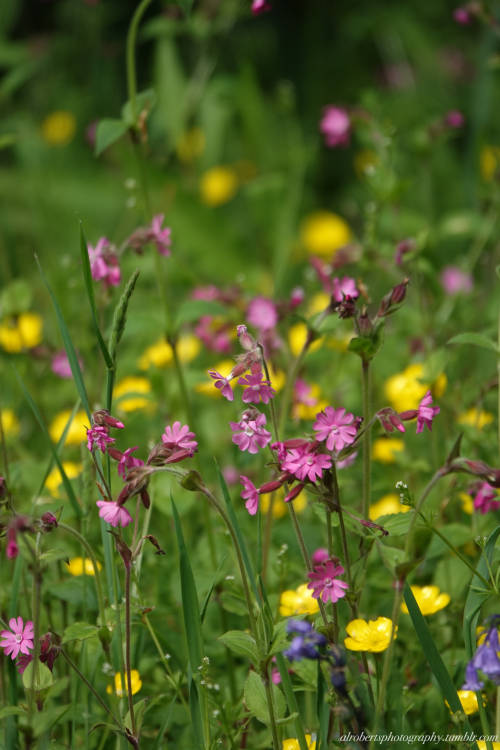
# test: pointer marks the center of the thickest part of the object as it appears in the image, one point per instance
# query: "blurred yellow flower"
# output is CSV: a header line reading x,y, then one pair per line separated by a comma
x,y
190,145
387,505
58,128
135,680
54,479
318,303
160,354
279,507
384,449
20,333
481,744
406,389
79,566
10,422
218,186
77,432
133,385
489,162
292,744
298,602
207,386
278,379
365,162
371,635
339,344
297,336
467,503
323,233
469,702
429,599
475,418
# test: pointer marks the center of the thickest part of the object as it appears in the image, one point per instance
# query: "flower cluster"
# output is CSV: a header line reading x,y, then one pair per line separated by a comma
x,y
154,233
424,414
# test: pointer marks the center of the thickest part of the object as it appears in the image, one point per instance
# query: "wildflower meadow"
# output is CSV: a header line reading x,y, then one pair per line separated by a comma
x,y
250,361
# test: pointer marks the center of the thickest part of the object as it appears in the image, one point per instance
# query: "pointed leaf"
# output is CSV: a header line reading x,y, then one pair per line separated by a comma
x,y
108,132
241,643
476,339
256,699
43,676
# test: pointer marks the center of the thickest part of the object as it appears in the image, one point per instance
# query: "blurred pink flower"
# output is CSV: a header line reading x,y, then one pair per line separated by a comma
x,y
230,474
262,313
113,513
222,384
19,640
336,427
320,555
484,500
160,236
179,436
462,16
454,119
345,287
60,365
260,6
324,583
12,550
454,280
336,127
250,434
104,263
250,494
426,413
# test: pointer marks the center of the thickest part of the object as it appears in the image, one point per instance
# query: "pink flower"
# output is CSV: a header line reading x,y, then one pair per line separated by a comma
x,y
97,436
12,550
209,293
257,388
104,263
222,384
320,555
336,127
262,313
260,6
462,16
336,427
403,247
113,513
345,287
160,236
60,365
230,474
250,494
302,393
249,434
426,413
454,280
484,502
344,463
213,335
179,436
454,119
128,461
19,640
305,463
390,420
323,583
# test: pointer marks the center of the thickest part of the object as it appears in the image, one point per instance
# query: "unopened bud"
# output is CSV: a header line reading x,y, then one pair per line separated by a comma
x,y
294,492
102,417
192,481
49,521
275,484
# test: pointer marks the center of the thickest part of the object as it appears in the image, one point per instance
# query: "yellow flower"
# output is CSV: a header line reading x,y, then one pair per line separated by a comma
x,y
190,145
482,745
54,479
489,162
318,303
77,432
135,679
298,602
383,449
429,599
386,506
218,185
58,128
20,333
279,507
79,566
365,162
207,386
323,233
160,354
133,384
297,336
405,390
468,699
371,635
475,418
278,379
467,503
292,744
10,422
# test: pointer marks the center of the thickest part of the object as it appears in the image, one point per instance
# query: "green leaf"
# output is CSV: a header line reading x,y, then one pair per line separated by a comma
x,y
293,706
280,639
139,711
87,277
145,100
196,714
366,346
456,533
477,339
108,132
256,700
241,643
11,711
193,309
475,599
431,652
48,717
396,523
43,676
79,631
68,345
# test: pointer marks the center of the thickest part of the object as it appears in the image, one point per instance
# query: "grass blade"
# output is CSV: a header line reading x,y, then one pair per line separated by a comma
x,y
87,277
68,345
291,700
67,484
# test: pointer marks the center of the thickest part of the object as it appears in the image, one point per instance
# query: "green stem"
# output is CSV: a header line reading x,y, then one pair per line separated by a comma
x,y
95,565
127,648
131,67
366,388
90,687
164,661
272,715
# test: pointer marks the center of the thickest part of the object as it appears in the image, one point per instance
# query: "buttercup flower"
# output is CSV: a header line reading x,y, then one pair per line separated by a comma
x,y
336,427
54,479
262,313
249,433
160,353
179,436
18,639
475,418
298,602
305,463
250,494
218,186
406,389
293,744
77,431
135,681
297,337
373,636
10,422
335,125
468,700
429,599
384,449
79,566
386,506
23,332
128,393
58,128
114,514
323,233
256,388
324,583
